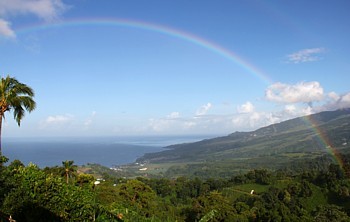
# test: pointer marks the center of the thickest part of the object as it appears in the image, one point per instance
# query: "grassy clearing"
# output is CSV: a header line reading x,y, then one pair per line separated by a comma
x,y
233,194
236,191
318,198
258,188
155,168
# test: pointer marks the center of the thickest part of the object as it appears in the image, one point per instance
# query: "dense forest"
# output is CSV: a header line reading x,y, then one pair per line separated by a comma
x,y
28,193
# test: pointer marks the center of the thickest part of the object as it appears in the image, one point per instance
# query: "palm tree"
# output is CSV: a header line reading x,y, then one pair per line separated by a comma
x,y
69,168
16,97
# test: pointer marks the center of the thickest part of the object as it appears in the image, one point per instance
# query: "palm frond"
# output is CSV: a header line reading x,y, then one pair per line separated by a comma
x,y
16,96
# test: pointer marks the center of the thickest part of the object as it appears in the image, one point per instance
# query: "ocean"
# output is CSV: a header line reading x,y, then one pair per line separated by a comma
x,y
107,151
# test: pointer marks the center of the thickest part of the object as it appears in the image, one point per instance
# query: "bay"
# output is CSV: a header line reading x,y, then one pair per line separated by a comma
x,y
107,151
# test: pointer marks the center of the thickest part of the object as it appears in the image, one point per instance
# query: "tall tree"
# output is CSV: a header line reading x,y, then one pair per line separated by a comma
x,y
69,169
16,97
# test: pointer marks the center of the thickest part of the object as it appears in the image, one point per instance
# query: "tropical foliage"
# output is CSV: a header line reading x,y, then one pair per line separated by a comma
x,y
69,169
29,193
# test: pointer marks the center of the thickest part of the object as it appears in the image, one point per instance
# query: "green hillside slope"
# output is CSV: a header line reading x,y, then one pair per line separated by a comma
x,y
274,146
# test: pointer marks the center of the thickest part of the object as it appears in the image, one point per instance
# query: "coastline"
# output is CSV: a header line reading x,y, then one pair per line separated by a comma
x,y
106,151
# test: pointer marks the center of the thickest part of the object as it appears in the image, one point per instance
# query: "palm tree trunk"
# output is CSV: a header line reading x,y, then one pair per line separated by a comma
x,y
67,175
0,132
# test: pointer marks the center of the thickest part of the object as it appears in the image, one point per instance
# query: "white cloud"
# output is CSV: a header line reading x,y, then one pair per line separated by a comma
x,y
189,124
57,121
5,29
305,55
296,101
203,110
247,107
90,119
247,118
306,92
290,109
198,123
47,10
337,102
253,120
345,99
160,125
333,96
163,124
173,115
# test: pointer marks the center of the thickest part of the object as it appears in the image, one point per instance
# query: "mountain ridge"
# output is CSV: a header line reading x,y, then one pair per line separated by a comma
x,y
299,136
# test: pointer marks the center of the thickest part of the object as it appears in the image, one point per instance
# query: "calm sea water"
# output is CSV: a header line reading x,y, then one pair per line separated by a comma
x,y
107,151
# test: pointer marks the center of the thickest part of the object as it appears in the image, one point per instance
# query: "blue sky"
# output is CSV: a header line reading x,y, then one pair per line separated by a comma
x,y
114,68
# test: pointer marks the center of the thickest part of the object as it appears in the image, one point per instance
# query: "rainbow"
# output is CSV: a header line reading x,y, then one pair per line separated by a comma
x,y
185,36
324,140
165,30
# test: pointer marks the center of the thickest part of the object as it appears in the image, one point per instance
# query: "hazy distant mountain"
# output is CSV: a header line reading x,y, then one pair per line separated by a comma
x,y
304,137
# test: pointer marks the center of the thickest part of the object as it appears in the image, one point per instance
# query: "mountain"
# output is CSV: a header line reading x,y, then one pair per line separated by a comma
x,y
273,146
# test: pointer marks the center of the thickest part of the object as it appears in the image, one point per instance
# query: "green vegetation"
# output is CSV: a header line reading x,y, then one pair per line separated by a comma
x,y
29,193
282,172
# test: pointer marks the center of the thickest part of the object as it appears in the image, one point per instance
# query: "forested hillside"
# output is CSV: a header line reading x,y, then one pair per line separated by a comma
x,y
28,193
292,143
